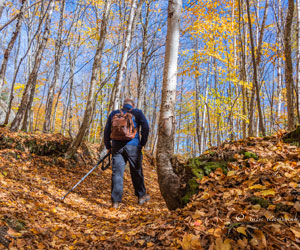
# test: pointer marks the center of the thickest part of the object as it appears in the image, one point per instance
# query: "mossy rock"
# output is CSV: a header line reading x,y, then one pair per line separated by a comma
x,y
296,143
20,146
267,138
212,166
14,223
258,200
192,189
282,208
293,136
200,167
32,146
197,169
248,155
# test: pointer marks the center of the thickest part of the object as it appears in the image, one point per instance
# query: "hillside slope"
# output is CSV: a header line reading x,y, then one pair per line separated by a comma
x,y
254,205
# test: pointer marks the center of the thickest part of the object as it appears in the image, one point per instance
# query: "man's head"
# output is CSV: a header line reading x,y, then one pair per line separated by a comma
x,y
129,101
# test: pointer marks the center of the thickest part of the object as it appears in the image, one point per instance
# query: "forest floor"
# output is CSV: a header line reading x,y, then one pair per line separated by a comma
x,y
255,205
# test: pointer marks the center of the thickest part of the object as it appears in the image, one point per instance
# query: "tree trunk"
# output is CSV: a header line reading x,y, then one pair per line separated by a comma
x,y
31,83
203,143
209,126
197,106
178,129
67,113
92,90
289,64
1,8
255,79
298,62
28,52
168,181
27,111
11,44
154,117
115,97
243,76
143,73
11,94
57,58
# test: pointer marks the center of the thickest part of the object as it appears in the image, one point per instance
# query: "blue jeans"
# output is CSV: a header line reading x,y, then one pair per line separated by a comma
x,y
120,156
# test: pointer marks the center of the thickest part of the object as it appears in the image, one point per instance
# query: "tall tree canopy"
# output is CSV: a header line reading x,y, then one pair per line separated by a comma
x,y
237,67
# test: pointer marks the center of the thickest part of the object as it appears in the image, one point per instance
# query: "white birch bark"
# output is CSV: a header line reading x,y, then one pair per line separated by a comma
x,y
57,58
92,90
11,44
31,82
143,73
115,98
202,142
168,181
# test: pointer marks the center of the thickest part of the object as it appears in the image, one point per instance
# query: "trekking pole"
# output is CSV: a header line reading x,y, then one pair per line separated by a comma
x,y
104,167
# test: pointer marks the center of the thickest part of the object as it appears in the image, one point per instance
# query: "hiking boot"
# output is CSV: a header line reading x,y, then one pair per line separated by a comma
x,y
115,204
144,199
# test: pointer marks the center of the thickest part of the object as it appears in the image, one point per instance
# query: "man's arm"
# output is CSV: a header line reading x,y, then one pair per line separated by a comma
x,y
145,127
107,132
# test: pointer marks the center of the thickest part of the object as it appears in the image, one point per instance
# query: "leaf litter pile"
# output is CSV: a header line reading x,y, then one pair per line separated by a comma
x,y
255,204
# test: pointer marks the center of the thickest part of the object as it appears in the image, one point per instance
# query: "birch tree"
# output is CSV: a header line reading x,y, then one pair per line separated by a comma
x,y
168,181
11,44
143,72
255,62
92,89
57,58
31,83
115,98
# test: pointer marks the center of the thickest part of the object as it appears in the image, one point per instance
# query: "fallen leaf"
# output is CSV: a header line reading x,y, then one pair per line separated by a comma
x,y
256,207
205,196
217,232
296,231
258,186
197,223
297,206
268,215
260,237
242,243
198,214
13,233
141,242
150,244
231,173
293,184
222,245
242,230
190,242
267,192
276,228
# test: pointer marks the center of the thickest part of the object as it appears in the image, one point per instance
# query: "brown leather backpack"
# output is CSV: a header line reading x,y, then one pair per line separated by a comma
x,y
122,127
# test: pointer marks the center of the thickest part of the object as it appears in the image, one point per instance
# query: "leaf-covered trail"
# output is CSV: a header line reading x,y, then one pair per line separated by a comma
x,y
31,189
255,205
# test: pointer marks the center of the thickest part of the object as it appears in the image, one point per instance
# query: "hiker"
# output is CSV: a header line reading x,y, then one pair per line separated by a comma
x,y
126,145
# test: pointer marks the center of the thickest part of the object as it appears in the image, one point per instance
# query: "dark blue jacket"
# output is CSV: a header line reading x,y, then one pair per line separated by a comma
x,y
139,121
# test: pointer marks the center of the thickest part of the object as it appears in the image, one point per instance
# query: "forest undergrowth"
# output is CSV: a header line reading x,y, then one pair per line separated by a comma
x,y
254,204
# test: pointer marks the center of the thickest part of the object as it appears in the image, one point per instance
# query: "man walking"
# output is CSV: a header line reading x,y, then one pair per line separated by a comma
x,y
123,138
